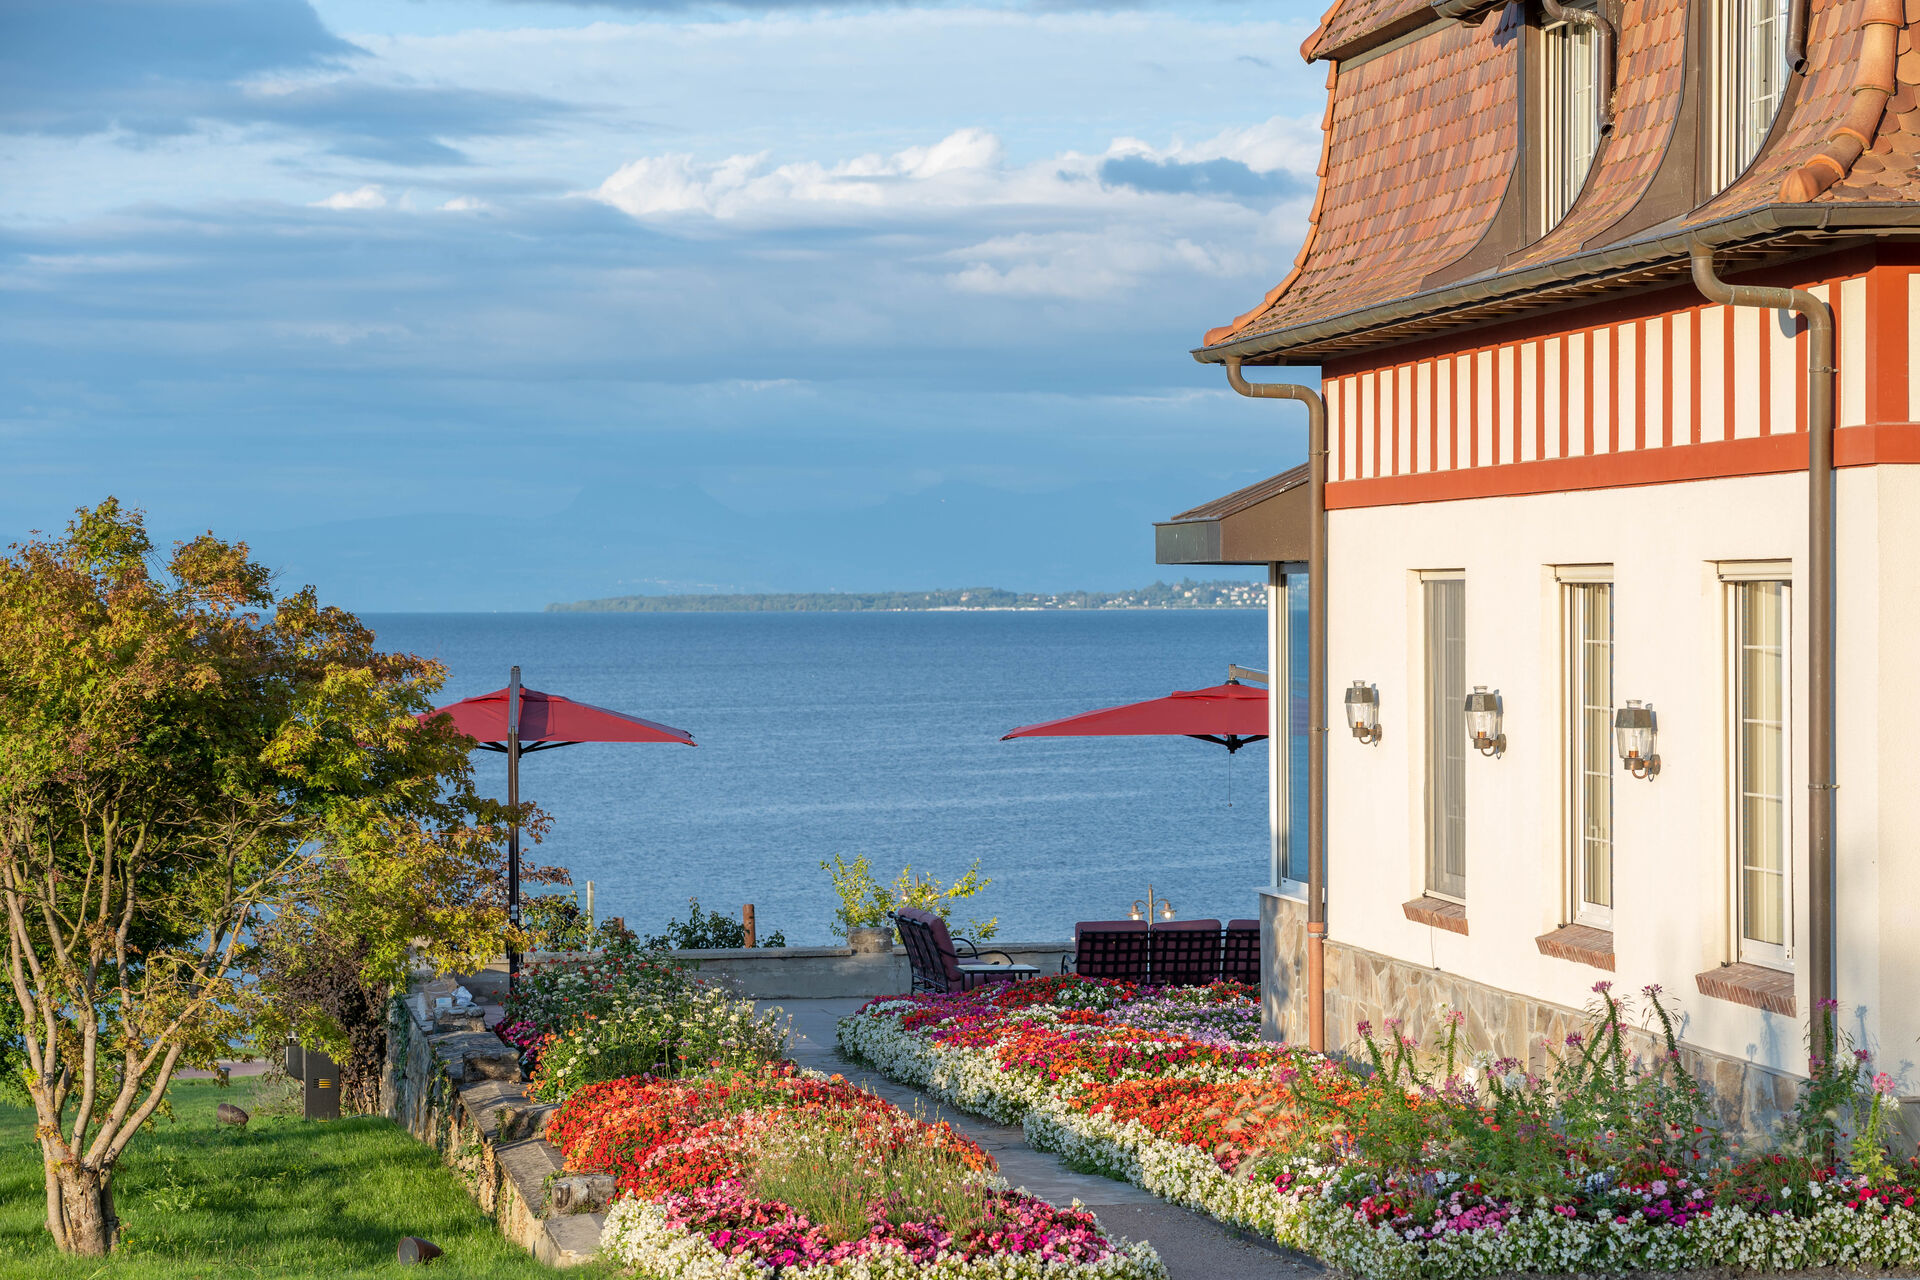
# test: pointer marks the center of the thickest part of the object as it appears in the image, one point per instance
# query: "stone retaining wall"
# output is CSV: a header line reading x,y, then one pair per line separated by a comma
x,y
453,1084
822,973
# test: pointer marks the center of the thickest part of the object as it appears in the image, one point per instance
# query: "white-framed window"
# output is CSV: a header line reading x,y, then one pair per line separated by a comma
x,y
1747,78
1760,809
1586,598
1569,119
1444,650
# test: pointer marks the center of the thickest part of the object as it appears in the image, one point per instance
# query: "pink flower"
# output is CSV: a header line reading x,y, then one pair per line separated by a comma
x,y
1883,1084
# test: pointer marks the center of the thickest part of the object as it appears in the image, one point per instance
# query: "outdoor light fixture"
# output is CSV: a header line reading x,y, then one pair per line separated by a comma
x,y
1633,731
1363,711
1152,905
1483,722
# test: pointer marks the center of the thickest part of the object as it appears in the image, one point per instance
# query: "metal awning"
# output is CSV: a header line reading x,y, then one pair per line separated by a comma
x,y
1264,523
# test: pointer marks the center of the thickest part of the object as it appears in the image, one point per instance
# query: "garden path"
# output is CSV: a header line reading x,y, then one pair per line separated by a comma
x,y
1194,1247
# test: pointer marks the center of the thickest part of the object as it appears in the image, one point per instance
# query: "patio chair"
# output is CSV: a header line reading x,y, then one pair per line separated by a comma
x,y
935,956
1240,953
1186,953
1109,949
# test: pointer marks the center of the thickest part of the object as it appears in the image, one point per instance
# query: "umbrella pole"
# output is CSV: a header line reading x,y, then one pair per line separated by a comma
x,y
513,827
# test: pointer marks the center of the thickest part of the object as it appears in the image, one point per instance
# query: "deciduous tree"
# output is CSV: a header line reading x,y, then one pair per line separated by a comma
x,y
187,756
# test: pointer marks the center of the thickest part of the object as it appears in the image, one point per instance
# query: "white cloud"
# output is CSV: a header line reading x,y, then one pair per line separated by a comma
x,y
1279,143
966,169
1059,227
465,204
1083,264
367,197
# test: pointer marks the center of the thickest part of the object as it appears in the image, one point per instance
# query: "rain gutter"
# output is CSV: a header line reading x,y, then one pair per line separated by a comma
x,y
1673,247
1821,540
1316,685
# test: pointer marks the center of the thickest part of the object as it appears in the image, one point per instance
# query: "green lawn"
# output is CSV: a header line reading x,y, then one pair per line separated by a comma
x,y
283,1198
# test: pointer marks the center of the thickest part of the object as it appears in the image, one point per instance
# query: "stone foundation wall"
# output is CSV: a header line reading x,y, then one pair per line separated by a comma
x,y
1365,985
1283,968
453,1085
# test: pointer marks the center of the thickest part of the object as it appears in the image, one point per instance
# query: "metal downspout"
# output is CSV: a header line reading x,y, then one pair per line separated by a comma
x,y
1609,39
1796,50
1821,539
1316,685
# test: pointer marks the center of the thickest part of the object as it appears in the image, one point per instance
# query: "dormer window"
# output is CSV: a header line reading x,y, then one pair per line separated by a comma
x,y
1569,113
1747,80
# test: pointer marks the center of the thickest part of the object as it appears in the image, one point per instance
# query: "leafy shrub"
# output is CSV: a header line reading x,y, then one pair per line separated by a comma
x,y
705,930
554,922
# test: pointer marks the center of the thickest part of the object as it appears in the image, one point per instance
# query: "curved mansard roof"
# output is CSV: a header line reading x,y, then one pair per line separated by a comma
x,y
1422,132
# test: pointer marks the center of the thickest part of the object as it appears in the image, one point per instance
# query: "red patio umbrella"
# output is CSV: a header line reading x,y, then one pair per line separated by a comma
x,y
1231,714
515,721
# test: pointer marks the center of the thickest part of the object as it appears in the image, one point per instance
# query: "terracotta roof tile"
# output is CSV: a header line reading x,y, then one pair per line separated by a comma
x,y
1833,51
1351,20
1417,161
1893,164
1650,74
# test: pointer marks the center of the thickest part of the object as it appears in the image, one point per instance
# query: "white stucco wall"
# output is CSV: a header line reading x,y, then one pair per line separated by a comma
x,y
1672,866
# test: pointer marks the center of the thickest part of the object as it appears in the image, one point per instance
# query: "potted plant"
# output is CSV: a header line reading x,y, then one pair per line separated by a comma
x,y
865,905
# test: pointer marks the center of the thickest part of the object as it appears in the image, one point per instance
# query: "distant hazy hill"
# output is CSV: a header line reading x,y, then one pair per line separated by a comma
x,y
1185,594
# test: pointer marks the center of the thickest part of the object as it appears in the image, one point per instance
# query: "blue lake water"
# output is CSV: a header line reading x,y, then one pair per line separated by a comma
x,y
879,734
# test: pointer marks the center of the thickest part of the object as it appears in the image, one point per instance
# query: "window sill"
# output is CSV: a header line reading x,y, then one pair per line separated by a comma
x,y
1287,890
1438,912
1749,984
1580,943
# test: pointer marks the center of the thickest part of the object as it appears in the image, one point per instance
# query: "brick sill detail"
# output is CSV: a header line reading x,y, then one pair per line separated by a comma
x,y
1582,944
1438,912
1750,985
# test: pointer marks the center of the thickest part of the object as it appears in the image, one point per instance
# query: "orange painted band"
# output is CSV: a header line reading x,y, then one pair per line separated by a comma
x,y
1888,442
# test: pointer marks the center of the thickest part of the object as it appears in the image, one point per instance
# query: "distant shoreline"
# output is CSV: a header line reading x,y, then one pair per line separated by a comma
x,y
1187,594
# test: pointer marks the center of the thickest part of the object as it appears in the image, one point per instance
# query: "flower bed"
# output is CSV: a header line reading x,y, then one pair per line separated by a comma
x,y
625,1012
1415,1164
771,1171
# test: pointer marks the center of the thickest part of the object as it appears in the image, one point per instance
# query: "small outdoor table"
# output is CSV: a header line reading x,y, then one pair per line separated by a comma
x,y
1014,972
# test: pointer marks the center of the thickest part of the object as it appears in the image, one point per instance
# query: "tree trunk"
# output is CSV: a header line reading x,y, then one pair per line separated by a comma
x,y
85,1208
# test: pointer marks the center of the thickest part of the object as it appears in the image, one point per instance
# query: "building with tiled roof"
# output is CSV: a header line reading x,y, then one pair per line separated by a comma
x,y
1613,306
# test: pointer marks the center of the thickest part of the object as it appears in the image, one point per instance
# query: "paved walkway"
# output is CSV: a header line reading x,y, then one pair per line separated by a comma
x,y
1194,1247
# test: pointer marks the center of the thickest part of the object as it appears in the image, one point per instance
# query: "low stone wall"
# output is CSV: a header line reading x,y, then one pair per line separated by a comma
x,y
824,973
1363,984
453,1085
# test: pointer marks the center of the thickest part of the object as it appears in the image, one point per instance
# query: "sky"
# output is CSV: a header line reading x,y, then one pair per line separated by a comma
x,y
481,304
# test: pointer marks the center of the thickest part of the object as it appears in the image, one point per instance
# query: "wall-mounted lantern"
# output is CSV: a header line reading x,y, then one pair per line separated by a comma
x,y
1483,722
1363,711
1634,733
